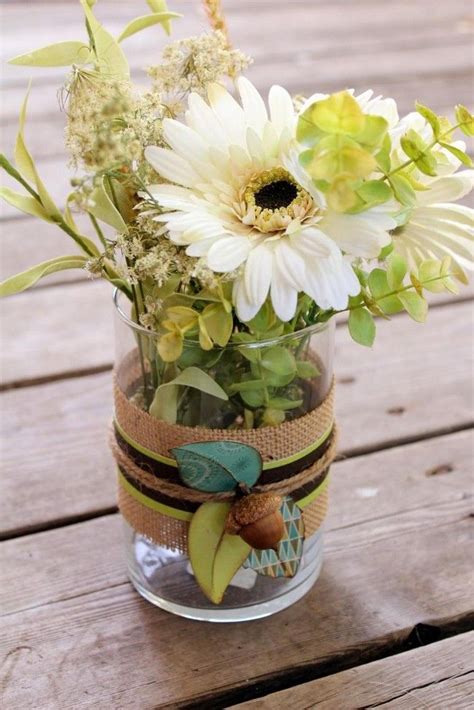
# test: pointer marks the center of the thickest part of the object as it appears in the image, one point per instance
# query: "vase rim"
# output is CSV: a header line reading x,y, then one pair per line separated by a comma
x,y
309,330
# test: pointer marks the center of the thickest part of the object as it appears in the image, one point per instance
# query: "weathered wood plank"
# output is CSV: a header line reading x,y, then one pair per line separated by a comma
x,y
55,331
324,22
76,632
438,673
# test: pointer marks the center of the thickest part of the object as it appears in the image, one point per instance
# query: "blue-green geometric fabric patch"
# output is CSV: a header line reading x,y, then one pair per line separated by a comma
x,y
290,548
218,466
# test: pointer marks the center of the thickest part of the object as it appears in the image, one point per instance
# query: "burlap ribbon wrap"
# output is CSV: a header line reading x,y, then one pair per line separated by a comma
x,y
296,458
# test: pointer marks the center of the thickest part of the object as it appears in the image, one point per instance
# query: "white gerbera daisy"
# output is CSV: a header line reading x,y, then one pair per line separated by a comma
x,y
242,202
436,228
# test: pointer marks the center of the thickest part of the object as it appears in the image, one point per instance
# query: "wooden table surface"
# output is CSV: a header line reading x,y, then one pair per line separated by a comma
x,y
389,621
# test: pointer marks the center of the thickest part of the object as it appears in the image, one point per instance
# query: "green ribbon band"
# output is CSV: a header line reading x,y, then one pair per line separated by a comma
x,y
266,466
185,515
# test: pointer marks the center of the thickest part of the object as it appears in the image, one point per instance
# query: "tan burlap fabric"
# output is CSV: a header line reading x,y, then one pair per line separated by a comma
x,y
173,534
273,443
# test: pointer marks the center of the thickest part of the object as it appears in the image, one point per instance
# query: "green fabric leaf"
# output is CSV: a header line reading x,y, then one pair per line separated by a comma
x,y
215,556
218,466
24,203
141,23
362,326
379,287
375,192
415,305
458,153
306,370
110,59
429,116
279,360
28,278
102,207
191,377
27,168
396,271
339,113
160,6
284,404
373,132
402,189
466,119
61,54
165,404
218,322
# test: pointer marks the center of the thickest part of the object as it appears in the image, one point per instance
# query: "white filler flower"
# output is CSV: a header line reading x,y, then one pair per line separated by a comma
x,y
241,200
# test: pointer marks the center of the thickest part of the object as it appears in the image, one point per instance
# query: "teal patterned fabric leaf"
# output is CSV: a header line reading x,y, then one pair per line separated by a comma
x,y
218,466
285,563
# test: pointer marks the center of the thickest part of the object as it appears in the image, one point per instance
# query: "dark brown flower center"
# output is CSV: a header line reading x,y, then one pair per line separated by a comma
x,y
274,195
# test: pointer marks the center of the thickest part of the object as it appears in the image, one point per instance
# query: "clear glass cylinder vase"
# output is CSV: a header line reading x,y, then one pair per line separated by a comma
x,y
297,372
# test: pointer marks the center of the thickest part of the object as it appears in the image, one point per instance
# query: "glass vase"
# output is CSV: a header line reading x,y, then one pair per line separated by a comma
x,y
160,570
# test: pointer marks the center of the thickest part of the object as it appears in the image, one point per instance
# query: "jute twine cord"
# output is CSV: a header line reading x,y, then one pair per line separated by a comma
x,y
174,490
173,534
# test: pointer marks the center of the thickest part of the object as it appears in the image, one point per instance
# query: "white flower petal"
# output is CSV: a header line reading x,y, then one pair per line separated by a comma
x,y
362,235
282,111
171,166
246,310
228,253
200,248
447,189
258,274
172,197
230,114
254,106
284,297
291,263
202,119
184,140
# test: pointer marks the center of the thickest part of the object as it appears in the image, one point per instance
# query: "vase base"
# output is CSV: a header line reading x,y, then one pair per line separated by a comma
x,y
164,578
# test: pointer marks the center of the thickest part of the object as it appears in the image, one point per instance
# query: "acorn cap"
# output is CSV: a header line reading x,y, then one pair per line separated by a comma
x,y
255,506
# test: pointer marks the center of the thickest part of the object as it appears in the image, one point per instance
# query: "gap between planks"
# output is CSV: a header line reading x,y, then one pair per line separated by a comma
x,y
394,681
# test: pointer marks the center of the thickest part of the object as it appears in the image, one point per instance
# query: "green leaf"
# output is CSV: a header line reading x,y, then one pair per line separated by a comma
x,y
396,270
28,278
246,385
373,132
415,305
165,404
141,23
402,189
430,117
102,207
379,287
279,360
62,54
219,323
375,192
110,59
218,466
160,6
339,113
458,153
191,377
24,203
341,195
215,556
362,326
306,370
284,404
466,119
431,276
336,155
27,168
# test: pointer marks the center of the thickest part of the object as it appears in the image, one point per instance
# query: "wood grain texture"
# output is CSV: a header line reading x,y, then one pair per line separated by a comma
x,y
437,676
373,410
75,632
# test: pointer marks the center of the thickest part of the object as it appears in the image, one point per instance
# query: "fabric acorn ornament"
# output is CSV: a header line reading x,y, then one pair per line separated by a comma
x,y
257,519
